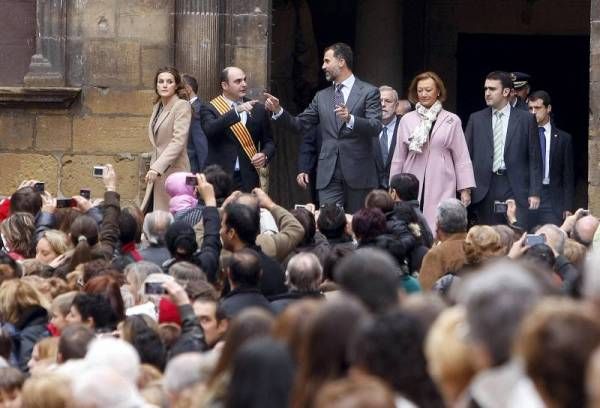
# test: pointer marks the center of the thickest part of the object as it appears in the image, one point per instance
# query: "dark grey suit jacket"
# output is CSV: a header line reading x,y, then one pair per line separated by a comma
x,y
352,147
197,147
383,169
521,154
562,177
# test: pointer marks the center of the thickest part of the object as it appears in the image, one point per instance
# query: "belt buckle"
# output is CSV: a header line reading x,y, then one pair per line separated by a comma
x,y
500,172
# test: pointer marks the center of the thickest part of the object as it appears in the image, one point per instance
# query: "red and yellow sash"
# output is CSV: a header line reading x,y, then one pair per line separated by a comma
x,y
239,129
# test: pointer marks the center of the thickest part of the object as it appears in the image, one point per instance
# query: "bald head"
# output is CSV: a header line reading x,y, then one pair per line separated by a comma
x,y
584,230
555,237
155,226
403,107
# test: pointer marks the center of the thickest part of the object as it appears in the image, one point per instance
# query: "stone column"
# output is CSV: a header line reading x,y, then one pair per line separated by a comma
x,y
247,32
199,37
594,129
47,66
379,43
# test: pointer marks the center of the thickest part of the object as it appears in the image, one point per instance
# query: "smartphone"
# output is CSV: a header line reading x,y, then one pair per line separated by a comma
x,y
65,203
296,206
154,288
38,187
533,239
85,193
98,171
191,181
500,207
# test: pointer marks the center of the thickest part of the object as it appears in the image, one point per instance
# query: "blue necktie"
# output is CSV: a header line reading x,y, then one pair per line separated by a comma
x,y
542,132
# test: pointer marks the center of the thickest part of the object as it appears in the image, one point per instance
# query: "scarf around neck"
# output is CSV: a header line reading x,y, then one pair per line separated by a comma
x,y
419,136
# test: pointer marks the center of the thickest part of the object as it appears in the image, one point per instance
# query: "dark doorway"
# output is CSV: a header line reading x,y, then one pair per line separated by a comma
x,y
557,64
301,31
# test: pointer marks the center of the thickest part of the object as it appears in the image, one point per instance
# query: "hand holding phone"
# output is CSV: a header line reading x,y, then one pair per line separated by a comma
x,y
154,288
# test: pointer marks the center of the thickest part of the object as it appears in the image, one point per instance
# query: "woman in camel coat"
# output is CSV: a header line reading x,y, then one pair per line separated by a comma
x,y
168,133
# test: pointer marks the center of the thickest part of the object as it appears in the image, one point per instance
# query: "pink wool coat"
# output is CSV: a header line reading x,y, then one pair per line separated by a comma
x,y
444,167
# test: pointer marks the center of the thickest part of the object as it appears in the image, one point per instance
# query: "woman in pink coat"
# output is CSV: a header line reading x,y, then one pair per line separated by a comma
x,y
431,145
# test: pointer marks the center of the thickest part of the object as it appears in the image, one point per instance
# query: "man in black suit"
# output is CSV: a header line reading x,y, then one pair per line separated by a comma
x,y
385,144
197,147
520,92
557,159
505,151
238,131
348,114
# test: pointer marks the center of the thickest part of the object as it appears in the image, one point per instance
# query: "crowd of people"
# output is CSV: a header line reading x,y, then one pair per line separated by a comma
x,y
435,268
230,300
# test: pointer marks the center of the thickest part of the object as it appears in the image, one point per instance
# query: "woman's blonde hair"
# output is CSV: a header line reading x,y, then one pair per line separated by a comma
x,y
19,230
16,296
439,84
48,391
58,241
482,243
47,348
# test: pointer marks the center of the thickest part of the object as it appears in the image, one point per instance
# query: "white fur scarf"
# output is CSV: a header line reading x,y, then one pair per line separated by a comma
x,y
419,136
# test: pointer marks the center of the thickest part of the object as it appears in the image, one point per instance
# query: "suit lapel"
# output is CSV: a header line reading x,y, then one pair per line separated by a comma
x,y
354,95
510,130
490,129
150,130
331,107
393,143
164,113
554,141
441,118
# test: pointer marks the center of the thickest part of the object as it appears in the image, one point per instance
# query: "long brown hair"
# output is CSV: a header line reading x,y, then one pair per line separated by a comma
x,y
173,71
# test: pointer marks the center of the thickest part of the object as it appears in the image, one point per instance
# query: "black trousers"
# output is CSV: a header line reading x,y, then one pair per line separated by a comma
x,y
500,190
546,214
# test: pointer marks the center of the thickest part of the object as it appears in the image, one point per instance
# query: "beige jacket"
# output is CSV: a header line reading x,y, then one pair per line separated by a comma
x,y
169,138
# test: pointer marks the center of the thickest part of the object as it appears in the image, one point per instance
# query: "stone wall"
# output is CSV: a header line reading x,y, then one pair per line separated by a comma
x,y
113,49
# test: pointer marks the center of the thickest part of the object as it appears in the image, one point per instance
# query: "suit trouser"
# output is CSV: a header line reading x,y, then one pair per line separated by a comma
x,y
499,190
546,214
338,192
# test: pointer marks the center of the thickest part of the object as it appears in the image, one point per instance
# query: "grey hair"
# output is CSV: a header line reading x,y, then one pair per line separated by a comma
x,y
451,216
559,234
105,387
388,88
155,226
188,369
496,300
304,272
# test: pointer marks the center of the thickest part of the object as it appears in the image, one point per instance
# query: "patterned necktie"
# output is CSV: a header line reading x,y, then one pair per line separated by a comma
x,y
498,142
542,132
383,145
338,96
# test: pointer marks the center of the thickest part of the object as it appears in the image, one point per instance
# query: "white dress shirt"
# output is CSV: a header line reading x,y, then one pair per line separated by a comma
x,y
505,117
243,118
548,134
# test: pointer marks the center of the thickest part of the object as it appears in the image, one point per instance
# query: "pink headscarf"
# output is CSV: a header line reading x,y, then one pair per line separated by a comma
x,y
182,195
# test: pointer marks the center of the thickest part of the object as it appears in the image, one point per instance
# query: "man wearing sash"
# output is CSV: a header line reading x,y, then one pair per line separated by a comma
x,y
238,131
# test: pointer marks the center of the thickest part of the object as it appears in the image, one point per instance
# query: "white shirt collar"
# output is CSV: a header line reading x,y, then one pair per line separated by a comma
x,y
548,128
390,126
349,82
229,101
193,99
505,110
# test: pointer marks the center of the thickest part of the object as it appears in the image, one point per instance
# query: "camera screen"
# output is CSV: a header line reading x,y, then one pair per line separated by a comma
x,y
153,288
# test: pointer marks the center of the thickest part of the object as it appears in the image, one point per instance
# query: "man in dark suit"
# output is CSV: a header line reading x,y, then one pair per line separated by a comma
x,y
505,152
349,117
238,131
557,157
197,147
385,144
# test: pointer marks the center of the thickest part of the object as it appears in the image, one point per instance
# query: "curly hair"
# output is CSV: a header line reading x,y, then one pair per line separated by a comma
x,y
19,230
481,244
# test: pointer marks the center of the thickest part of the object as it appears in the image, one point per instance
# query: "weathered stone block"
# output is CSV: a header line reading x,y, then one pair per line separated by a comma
x,y
101,134
149,21
76,173
254,62
16,131
594,162
250,30
152,59
594,199
53,133
113,101
110,63
95,18
16,167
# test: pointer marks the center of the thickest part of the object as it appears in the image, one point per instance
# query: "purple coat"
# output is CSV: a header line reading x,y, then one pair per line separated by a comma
x,y
443,168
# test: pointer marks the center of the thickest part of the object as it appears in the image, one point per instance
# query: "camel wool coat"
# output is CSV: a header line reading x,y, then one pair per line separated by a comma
x,y
444,166
169,138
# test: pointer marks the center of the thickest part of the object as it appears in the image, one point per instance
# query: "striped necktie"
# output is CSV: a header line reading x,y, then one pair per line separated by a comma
x,y
498,141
